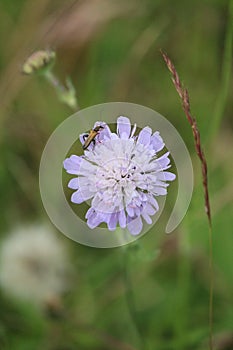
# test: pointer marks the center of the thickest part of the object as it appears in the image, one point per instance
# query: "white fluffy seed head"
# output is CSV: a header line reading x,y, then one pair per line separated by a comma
x,y
33,264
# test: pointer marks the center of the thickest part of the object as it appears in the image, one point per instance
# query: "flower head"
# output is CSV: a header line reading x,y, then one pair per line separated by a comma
x,y
121,174
33,265
39,62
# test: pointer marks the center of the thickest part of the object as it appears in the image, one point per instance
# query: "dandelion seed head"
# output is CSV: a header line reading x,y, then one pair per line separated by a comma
x,y
33,264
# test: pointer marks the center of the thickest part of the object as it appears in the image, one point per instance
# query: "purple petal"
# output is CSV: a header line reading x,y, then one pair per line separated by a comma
x,y
87,168
158,183
73,183
157,142
166,176
130,210
164,161
81,196
149,209
147,218
72,164
137,211
134,225
153,202
144,136
101,205
159,191
112,222
100,124
122,218
93,218
114,136
104,134
89,213
123,127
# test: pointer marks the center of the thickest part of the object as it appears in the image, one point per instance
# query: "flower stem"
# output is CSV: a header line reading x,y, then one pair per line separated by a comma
x,y
67,94
52,79
211,288
130,299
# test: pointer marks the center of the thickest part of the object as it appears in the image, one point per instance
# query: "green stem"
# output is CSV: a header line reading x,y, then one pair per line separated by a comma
x,y
67,94
130,299
225,75
52,79
211,288
182,302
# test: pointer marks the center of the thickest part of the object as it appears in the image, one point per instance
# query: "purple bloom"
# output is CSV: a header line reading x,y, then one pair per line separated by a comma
x,y
121,175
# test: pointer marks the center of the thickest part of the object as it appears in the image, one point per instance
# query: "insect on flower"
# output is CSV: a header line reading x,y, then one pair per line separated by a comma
x,y
122,177
88,138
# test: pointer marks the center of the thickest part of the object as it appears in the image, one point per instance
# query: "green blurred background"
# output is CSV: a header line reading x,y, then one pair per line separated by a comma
x,y
110,49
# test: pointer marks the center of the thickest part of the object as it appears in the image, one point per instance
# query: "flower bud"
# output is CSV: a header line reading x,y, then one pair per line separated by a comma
x,y
39,62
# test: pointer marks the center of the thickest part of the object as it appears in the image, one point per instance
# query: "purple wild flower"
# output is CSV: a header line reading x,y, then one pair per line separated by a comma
x,y
121,175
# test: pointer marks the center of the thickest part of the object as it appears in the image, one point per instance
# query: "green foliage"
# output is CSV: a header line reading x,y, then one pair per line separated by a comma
x,y
118,59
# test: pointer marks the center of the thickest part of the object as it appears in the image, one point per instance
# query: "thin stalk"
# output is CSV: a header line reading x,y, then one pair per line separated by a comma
x,y
67,94
52,79
130,299
184,96
211,288
182,305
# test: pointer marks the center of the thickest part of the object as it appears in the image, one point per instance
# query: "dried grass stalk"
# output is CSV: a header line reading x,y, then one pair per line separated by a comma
x,y
183,93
